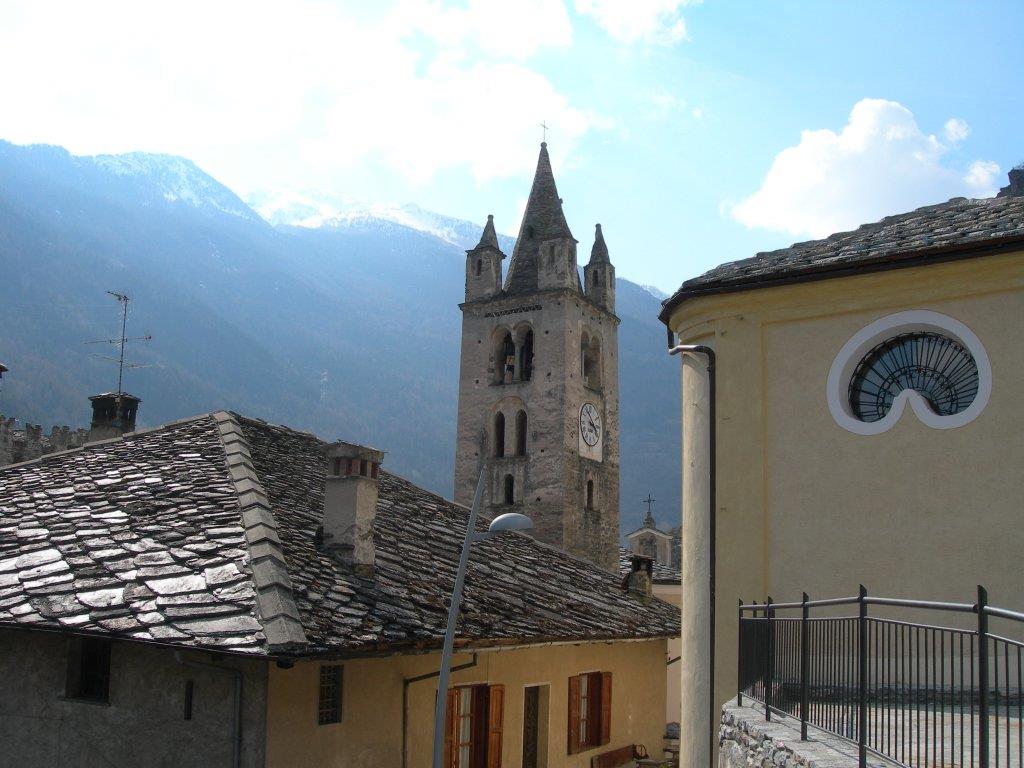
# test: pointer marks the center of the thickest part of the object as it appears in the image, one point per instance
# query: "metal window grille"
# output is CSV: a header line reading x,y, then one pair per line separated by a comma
x,y
940,369
917,694
329,706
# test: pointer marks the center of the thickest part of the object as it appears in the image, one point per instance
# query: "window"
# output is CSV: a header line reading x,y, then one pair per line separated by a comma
x,y
473,726
329,705
590,353
510,490
88,674
499,434
521,433
590,494
526,357
597,279
479,266
505,362
936,367
590,710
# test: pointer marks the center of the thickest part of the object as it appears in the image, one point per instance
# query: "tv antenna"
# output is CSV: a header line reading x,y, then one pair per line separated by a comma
x,y
121,341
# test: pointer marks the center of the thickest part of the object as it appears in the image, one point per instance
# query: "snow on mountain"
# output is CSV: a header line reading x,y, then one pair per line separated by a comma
x,y
315,210
657,293
177,179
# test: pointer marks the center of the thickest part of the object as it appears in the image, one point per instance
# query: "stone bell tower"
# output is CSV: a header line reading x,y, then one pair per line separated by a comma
x,y
539,383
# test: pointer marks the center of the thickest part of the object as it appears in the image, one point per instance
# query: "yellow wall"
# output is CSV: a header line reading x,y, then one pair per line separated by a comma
x,y
370,734
671,593
805,505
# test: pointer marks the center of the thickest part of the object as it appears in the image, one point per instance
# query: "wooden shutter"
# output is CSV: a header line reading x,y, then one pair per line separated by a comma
x,y
606,707
495,715
450,725
574,715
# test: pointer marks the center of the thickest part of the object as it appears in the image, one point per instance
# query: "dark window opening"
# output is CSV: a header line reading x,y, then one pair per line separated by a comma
x,y
597,279
336,466
590,350
510,490
529,232
526,357
590,494
88,669
505,365
499,435
473,727
479,266
521,433
189,691
329,704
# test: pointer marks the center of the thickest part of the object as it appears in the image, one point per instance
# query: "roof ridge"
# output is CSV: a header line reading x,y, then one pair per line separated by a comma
x,y
275,600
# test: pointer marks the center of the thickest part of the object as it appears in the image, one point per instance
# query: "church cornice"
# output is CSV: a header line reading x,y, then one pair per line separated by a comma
x,y
532,301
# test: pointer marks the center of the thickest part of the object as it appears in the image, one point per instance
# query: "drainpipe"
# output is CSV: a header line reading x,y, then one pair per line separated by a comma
x,y
236,743
695,350
405,701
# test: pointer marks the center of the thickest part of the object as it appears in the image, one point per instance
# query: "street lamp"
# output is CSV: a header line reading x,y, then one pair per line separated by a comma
x,y
510,521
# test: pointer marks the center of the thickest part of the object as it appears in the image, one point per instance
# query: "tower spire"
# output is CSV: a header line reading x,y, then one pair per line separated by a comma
x,y
488,238
543,220
599,253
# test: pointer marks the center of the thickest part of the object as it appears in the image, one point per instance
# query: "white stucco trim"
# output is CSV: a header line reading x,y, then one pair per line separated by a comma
x,y
892,325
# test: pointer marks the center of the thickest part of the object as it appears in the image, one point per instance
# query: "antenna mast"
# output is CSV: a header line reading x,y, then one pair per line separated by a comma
x,y
123,299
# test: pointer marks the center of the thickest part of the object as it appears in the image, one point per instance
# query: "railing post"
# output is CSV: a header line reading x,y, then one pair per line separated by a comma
x,y
739,656
805,652
982,677
770,665
862,674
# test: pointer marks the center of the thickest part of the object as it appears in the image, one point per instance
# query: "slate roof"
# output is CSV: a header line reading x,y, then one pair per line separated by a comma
x,y
200,533
967,226
662,573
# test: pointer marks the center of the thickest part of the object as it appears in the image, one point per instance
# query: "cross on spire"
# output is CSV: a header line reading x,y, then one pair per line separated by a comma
x,y
544,131
650,503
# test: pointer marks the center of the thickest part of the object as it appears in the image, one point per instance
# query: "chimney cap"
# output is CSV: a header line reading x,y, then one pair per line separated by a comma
x,y
113,395
345,450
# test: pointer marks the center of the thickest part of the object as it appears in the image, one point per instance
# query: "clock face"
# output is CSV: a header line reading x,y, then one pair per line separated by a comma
x,y
590,424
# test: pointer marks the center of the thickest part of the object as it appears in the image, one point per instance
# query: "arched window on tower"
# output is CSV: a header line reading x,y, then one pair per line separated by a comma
x,y
526,357
590,494
510,490
479,266
590,350
521,433
504,358
596,281
499,434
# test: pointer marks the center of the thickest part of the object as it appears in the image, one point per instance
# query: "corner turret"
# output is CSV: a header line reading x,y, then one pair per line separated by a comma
x,y
483,265
599,274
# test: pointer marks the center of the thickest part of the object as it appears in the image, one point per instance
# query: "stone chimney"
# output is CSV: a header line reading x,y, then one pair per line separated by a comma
x,y
640,580
113,414
1016,186
350,504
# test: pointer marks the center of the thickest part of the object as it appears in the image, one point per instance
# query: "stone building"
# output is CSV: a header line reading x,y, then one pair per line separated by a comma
x,y
868,428
236,593
538,381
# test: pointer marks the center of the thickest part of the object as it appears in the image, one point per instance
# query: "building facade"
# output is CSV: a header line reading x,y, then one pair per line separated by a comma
x,y
221,591
868,426
538,382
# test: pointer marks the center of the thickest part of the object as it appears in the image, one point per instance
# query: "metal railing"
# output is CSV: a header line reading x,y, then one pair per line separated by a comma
x,y
916,694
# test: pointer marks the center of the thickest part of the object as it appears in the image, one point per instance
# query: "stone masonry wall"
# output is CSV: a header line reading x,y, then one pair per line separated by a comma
x,y
18,445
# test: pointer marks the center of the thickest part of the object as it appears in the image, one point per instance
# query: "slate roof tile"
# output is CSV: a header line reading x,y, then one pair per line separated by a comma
x,y
220,552
958,223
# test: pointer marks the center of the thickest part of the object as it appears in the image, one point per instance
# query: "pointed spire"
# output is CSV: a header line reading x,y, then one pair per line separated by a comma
x,y
489,238
599,253
543,220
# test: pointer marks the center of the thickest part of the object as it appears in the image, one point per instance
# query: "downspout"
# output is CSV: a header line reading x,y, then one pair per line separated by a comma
x,y
236,744
405,701
701,349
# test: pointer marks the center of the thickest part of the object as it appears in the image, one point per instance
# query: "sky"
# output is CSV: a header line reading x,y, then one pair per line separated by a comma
x,y
695,132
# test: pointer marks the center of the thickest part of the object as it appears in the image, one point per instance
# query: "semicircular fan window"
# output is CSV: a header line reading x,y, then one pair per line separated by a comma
x,y
940,369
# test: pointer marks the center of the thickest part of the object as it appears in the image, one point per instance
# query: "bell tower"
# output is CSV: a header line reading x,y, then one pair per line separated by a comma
x,y
538,381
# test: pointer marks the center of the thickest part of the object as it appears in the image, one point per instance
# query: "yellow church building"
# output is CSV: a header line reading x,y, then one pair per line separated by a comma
x,y
852,414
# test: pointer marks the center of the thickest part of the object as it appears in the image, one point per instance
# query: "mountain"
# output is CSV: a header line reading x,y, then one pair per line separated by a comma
x,y
343,326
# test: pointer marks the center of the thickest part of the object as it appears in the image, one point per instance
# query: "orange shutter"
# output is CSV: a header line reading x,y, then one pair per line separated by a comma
x,y
495,715
449,728
574,715
606,707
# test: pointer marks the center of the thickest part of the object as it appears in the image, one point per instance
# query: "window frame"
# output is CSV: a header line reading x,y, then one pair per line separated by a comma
x,y
589,725
88,670
329,709
484,722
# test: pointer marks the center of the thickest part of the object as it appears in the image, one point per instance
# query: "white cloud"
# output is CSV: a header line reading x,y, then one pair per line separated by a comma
x,y
956,130
656,22
261,93
881,163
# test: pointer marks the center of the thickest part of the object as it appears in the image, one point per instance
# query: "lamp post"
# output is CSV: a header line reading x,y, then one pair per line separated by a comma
x,y
510,521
